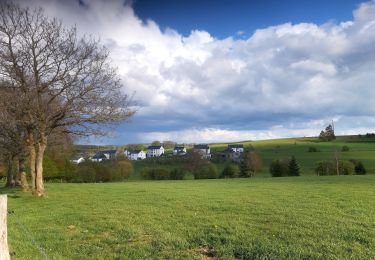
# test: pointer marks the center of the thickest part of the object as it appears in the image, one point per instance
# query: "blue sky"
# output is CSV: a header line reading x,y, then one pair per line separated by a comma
x,y
220,71
226,18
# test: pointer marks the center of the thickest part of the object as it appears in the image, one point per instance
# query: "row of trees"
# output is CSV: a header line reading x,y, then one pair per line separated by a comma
x,y
52,83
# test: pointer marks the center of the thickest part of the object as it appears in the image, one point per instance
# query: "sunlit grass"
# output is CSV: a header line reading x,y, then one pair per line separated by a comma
x,y
296,217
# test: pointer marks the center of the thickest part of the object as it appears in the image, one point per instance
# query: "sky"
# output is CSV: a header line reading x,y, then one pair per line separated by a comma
x,y
222,71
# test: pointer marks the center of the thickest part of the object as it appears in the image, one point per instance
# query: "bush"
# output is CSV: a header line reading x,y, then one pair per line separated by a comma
x,y
230,171
324,168
161,174
359,168
313,149
155,174
330,168
177,174
346,168
50,170
279,168
345,148
208,171
188,176
125,169
84,173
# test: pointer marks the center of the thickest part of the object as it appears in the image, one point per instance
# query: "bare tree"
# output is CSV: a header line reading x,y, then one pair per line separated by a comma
x,y
67,82
12,140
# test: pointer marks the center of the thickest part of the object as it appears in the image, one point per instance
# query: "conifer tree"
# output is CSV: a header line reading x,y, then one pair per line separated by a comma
x,y
293,167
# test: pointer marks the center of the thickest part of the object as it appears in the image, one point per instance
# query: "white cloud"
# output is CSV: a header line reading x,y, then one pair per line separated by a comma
x,y
281,73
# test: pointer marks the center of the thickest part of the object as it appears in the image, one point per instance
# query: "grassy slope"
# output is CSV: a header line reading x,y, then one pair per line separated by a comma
x,y
301,217
361,148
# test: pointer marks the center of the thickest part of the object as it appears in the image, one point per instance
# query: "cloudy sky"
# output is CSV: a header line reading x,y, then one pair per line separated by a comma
x,y
207,71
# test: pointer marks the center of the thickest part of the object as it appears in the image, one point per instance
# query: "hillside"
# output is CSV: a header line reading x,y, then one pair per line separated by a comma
x,y
360,148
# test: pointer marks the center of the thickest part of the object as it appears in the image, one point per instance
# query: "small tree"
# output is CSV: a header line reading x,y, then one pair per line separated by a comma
x,y
251,163
293,167
279,168
230,171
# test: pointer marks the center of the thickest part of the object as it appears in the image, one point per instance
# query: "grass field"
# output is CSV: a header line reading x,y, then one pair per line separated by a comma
x,y
305,217
360,148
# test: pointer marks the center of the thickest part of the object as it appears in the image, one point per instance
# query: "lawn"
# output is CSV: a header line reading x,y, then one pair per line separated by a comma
x,y
263,218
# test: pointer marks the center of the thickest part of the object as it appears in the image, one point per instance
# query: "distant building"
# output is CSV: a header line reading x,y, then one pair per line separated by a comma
x,y
135,155
78,159
236,147
155,150
179,150
203,149
104,155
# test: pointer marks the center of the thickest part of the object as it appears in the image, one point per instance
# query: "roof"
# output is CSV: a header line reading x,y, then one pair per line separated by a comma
x,y
109,151
201,146
227,151
179,148
235,145
135,151
99,155
152,147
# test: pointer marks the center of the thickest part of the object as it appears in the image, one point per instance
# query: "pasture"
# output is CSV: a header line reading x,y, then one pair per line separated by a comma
x,y
330,217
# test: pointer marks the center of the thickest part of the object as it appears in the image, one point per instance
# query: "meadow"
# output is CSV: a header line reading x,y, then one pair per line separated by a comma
x,y
307,217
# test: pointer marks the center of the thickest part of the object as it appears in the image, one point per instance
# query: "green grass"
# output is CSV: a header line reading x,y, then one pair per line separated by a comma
x,y
263,218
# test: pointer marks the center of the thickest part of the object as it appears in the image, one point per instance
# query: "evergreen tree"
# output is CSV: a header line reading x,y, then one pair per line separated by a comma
x,y
244,169
293,167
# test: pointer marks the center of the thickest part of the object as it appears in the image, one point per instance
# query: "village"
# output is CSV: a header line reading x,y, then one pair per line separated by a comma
x,y
232,152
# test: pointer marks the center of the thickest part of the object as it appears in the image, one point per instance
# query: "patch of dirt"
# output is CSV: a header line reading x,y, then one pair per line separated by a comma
x,y
207,253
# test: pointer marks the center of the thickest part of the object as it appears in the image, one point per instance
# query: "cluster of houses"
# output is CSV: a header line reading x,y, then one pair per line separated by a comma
x,y
233,152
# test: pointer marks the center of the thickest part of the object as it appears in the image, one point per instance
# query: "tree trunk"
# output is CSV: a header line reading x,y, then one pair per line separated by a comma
x,y
22,175
10,177
39,166
32,159
4,250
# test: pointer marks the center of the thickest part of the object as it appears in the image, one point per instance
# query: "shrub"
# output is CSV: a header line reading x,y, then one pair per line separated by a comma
x,y
84,173
208,171
102,172
279,168
155,174
161,174
125,168
330,168
346,168
313,149
188,176
177,174
324,168
50,169
147,173
345,148
359,168
230,171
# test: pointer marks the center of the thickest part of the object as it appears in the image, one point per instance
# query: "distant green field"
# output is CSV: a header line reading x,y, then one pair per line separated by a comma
x,y
360,148
306,217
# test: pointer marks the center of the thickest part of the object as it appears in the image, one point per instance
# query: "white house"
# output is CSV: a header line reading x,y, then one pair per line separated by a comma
x,y
179,150
104,155
155,151
136,155
203,149
78,159
237,148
